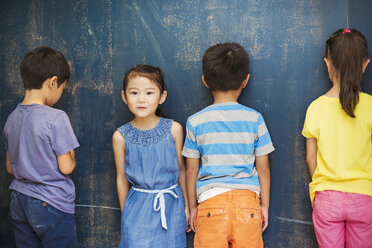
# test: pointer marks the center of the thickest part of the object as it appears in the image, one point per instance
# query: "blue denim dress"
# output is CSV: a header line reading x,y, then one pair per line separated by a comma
x,y
154,211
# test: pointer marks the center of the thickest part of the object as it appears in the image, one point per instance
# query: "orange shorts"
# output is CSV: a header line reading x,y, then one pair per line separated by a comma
x,y
232,219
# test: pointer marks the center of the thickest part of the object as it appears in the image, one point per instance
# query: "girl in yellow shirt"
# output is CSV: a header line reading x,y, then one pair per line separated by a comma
x,y
338,130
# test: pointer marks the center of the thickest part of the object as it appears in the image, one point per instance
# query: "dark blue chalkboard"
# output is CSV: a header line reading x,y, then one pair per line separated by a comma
x,y
104,38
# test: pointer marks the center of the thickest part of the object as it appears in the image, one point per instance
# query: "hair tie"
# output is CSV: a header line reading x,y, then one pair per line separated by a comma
x,y
347,31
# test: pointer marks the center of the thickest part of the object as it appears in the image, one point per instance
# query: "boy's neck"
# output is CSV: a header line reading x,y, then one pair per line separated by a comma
x,y
34,97
226,96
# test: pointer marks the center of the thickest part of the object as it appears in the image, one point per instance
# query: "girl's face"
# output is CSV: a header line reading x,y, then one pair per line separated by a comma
x,y
143,97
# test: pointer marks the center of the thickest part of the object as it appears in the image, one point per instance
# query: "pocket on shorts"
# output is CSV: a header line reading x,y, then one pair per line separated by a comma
x,y
36,206
209,213
15,208
327,208
208,216
249,216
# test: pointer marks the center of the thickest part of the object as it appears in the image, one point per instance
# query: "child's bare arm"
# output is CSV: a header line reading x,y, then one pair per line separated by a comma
x,y
122,184
8,166
191,178
263,170
311,151
177,133
66,162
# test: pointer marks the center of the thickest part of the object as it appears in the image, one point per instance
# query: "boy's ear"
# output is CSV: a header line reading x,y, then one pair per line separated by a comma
x,y
51,82
123,97
163,97
54,81
366,62
246,81
204,82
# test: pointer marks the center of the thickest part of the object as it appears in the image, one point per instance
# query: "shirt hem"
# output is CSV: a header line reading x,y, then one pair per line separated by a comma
x,y
42,198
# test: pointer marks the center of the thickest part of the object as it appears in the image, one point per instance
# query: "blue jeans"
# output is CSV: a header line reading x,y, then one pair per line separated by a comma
x,y
38,224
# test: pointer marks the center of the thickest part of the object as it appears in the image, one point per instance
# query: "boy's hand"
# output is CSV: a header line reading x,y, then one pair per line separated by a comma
x,y
265,217
192,218
191,177
187,212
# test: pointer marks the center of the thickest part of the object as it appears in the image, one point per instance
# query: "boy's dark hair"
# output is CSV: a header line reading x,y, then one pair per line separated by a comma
x,y
347,49
154,74
225,66
43,63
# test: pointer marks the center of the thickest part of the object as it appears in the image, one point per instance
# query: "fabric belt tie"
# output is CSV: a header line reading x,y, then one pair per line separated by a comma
x,y
160,196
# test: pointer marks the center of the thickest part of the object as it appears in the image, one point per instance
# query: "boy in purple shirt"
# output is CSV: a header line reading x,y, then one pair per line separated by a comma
x,y
40,154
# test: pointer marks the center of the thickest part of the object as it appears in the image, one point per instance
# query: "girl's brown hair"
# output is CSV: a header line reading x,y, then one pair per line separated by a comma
x,y
347,49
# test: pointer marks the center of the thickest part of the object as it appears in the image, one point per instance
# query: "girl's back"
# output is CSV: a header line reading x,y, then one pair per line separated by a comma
x,y
344,144
338,131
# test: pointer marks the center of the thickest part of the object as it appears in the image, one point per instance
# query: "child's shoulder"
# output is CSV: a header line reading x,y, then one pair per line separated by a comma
x,y
36,113
162,129
320,101
365,103
224,112
53,116
365,97
126,129
162,123
226,107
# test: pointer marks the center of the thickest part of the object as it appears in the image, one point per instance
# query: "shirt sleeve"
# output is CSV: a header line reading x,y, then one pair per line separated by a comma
x,y
190,148
307,131
5,141
262,144
62,136
5,134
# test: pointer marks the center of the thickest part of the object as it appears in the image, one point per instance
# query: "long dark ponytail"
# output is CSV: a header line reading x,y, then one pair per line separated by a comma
x,y
347,49
153,73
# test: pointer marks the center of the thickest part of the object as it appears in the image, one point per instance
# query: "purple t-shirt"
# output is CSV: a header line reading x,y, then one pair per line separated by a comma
x,y
34,136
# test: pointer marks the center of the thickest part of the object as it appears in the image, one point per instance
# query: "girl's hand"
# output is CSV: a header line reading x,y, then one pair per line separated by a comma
x,y
265,217
192,218
187,212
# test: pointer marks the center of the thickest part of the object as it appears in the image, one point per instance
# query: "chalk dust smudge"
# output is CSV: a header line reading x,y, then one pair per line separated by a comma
x,y
186,31
95,44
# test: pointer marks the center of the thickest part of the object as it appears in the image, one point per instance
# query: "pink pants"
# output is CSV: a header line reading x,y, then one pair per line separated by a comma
x,y
342,218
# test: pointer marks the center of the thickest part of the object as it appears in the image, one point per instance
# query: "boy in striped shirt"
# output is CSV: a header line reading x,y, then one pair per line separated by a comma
x,y
227,146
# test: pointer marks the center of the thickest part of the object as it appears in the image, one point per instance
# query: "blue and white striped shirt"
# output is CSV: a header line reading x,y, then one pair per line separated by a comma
x,y
227,137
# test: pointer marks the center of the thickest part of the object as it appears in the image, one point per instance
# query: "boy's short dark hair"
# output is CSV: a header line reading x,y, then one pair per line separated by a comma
x,y
43,63
225,66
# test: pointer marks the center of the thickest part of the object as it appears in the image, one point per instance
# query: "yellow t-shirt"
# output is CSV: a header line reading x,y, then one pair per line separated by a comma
x,y
344,156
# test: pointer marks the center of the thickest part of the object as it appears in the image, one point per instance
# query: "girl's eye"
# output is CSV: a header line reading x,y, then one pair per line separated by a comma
x,y
150,93
133,93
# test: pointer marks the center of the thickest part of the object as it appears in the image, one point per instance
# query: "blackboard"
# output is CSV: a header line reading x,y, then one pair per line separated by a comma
x,y
104,38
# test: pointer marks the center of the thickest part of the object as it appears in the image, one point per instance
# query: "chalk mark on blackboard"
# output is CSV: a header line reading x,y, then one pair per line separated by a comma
x,y
295,221
150,34
95,206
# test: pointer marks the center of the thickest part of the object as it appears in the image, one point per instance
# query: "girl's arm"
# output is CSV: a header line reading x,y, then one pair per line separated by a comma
x,y
192,176
8,166
263,170
311,151
177,133
122,184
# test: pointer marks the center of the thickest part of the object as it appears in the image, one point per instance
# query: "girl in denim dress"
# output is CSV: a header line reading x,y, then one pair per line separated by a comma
x,y
150,168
